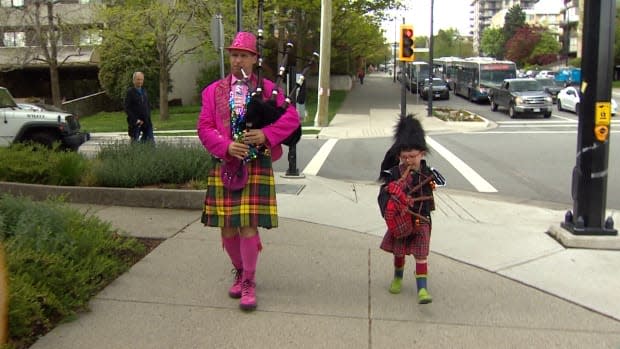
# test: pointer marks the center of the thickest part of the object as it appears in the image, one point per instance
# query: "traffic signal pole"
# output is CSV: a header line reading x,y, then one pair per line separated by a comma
x,y
589,186
405,54
403,91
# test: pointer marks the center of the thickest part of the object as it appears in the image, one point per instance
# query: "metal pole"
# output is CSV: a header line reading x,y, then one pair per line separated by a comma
x,y
567,32
239,13
430,67
589,186
394,49
403,88
403,91
321,118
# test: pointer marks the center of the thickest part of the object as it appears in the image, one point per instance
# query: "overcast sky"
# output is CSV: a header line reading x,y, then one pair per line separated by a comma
x,y
446,14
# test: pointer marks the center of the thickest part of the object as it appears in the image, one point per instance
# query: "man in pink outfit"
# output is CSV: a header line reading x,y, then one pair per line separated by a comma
x,y
223,132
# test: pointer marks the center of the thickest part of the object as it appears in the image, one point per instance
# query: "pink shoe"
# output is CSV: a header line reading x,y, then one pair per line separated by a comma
x,y
235,290
248,295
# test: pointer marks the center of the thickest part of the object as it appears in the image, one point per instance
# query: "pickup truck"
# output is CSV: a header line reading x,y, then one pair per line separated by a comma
x,y
521,96
19,124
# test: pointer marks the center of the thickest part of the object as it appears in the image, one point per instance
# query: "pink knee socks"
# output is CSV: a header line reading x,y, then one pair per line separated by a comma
x,y
249,255
233,248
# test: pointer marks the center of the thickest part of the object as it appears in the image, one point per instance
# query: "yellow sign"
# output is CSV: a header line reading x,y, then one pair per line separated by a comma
x,y
602,113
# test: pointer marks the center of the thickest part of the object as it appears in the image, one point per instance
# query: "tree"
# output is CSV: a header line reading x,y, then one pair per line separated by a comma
x,y
45,32
492,42
174,30
514,19
120,58
546,50
449,42
520,46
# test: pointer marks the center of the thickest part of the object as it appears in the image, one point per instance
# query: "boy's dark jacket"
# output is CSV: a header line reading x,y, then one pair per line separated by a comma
x,y
424,207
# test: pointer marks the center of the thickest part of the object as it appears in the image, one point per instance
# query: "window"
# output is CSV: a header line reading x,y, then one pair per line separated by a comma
x,y
11,3
92,37
14,39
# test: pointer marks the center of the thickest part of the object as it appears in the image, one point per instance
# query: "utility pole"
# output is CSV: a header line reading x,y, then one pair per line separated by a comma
x,y
589,186
430,67
403,88
321,119
239,14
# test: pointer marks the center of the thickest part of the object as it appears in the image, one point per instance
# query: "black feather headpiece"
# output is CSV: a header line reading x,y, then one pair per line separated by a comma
x,y
408,135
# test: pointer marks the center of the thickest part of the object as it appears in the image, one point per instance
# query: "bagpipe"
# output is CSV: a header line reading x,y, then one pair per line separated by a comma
x,y
261,112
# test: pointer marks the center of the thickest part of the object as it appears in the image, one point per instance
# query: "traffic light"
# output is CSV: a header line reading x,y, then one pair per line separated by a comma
x,y
405,54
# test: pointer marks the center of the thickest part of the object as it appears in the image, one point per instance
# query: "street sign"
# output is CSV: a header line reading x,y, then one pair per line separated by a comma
x,y
217,32
603,113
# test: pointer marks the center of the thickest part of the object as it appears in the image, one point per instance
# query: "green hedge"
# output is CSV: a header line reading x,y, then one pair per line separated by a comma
x,y
58,258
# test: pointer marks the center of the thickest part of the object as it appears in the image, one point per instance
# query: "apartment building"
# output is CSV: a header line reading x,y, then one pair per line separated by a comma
x,y
483,11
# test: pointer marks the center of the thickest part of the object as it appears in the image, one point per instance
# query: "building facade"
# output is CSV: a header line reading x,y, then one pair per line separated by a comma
x,y
78,35
483,11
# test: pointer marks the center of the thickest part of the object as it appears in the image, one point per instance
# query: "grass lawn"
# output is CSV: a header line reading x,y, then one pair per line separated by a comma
x,y
184,118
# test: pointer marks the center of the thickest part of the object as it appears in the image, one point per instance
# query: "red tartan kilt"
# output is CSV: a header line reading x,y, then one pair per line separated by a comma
x,y
417,244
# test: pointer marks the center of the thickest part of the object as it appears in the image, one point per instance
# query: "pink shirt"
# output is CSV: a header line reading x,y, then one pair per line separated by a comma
x,y
214,119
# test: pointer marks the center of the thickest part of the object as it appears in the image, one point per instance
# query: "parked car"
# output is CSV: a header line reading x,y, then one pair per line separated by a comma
x,y
569,99
551,86
40,107
545,74
440,89
26,122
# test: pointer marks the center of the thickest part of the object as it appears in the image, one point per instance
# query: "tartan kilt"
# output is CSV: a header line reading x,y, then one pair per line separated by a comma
x,y
417,244
253,206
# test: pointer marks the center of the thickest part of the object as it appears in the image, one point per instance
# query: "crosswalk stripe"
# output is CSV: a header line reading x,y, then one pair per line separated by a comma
x,y
319,158
470,175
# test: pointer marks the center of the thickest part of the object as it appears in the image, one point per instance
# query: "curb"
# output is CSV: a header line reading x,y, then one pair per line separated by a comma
x,y
133,197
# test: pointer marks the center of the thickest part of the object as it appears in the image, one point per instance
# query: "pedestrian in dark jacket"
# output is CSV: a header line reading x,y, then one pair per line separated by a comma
x,y
138,111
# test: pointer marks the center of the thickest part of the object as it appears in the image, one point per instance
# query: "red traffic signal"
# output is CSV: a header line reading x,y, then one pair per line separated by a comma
x,y
405,52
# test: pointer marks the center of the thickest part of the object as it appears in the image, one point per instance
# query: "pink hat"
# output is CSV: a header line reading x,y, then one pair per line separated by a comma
x,y
244,41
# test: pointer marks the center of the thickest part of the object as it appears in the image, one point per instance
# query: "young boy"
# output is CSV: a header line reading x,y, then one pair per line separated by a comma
x,y
409,184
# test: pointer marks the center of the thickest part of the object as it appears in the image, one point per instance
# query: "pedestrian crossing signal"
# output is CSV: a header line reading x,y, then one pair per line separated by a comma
x,y
405,53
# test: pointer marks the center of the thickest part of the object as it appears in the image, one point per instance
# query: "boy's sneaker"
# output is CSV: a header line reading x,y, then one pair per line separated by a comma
x,y
235,290
395,285
248,295
424,297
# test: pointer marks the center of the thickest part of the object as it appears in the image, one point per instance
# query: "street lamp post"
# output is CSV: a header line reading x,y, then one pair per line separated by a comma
x,y
430,67
567,31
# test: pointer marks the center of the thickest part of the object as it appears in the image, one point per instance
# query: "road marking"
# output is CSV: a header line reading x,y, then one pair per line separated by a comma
x,y
470,175
319,158
538,122
525,132
562,117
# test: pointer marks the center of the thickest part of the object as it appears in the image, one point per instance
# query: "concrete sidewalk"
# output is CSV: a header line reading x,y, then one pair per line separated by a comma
x,y
497,278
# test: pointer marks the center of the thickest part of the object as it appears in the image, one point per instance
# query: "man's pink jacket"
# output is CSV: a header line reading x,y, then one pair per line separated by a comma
x,y
214,120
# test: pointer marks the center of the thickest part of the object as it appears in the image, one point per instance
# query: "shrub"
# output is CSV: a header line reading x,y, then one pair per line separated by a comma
x,y
58,258
31,163
132,165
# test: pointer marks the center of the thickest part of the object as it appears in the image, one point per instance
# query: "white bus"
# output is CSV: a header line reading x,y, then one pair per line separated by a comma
x,y
445,68
475,75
